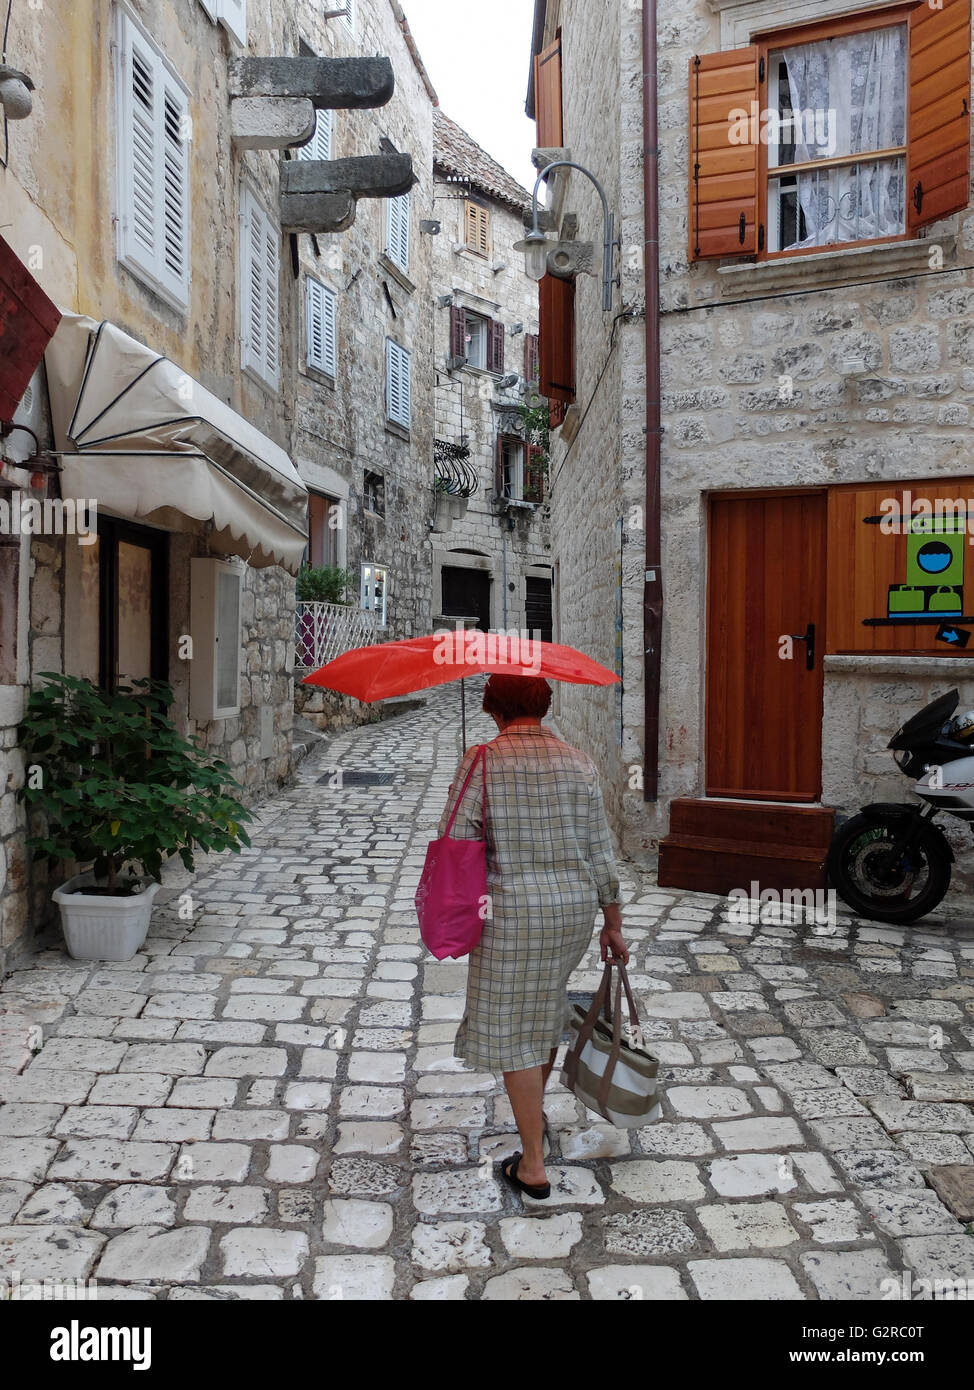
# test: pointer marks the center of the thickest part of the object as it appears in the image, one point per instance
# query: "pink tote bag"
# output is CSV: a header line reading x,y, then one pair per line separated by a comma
x,y
451,900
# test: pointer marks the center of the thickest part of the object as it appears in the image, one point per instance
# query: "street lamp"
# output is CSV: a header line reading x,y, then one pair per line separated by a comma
x,y
536,246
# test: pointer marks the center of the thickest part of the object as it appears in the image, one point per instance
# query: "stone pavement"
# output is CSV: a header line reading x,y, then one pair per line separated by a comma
x,y
264,1102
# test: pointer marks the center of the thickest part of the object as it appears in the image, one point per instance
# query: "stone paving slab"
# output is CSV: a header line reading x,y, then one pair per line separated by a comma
x,y
264,1102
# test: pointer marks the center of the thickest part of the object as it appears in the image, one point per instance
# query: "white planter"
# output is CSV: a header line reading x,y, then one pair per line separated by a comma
x,y
102,927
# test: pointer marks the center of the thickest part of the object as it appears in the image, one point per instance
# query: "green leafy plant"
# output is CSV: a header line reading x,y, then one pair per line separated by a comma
x,y
323,584
118,785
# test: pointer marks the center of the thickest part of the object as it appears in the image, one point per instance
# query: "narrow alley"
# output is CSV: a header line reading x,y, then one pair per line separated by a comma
x,y
264,1103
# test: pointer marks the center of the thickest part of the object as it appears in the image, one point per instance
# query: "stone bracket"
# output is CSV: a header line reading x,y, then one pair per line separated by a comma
x,y
340,84
271,123
320,195
568,258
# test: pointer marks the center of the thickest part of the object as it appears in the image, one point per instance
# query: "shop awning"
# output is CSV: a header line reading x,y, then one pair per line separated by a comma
x,y
144,439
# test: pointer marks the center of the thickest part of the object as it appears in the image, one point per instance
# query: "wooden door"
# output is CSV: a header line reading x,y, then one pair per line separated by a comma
x,y
764,694
466,594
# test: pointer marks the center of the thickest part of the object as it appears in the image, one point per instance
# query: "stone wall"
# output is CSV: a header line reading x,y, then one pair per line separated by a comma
x,y
471,407
340,427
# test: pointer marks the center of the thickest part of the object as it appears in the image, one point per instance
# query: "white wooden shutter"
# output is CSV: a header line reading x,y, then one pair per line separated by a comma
x,y
259,275
212,8
320,312
233,17
153,167
349,15
319,146
398,385
397,230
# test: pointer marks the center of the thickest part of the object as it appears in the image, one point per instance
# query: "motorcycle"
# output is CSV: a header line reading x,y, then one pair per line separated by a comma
x,y
891,862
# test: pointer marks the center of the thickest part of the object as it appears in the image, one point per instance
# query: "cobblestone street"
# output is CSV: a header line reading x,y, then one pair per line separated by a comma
x,y
264,1102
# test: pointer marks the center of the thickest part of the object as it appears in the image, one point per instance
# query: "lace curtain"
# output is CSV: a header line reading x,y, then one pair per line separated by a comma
x,y
849,96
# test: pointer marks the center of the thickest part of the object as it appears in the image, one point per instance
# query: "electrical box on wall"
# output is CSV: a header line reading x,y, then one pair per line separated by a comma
x,y
214,681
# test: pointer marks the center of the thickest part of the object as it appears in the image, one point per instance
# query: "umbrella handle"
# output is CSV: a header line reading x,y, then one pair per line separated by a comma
x,y
463,712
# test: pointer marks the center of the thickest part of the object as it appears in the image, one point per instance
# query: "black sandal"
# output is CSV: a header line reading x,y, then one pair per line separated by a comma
x,y
509,1174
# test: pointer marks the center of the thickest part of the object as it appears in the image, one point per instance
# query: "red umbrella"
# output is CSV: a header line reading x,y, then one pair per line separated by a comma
x,y
398,668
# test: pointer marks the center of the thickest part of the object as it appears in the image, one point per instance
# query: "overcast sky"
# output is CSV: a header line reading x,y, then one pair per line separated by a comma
x,y
478,58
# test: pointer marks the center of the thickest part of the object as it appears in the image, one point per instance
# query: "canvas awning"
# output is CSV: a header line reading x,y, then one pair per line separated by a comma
x,y
144,439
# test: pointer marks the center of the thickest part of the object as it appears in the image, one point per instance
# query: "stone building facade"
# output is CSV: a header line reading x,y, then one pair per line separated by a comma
x,y
142,194
372,473
491,555
841,375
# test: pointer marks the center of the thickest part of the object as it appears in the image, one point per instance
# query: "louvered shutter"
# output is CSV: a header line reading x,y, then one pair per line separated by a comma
x,y
319,146
478,229
259,290
348,18
531,356
458,333
397,231
547,96
174,269
557,365
398,385
153,195
499,465
233,17
723,175
557,410
939,122
495,346
322,343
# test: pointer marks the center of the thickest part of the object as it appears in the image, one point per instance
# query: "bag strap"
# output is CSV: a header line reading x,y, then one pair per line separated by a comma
x,y
481,755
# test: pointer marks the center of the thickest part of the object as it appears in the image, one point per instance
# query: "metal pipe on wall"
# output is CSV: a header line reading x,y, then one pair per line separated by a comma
x,y
653,579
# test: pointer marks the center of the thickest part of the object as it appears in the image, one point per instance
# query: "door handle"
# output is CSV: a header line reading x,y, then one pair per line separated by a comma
x,y
808,637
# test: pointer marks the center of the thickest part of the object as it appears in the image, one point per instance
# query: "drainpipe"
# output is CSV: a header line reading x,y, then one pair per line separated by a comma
x,y
653,582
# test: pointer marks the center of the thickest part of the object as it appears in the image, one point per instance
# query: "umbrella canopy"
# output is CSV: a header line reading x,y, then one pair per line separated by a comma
x,y
399,668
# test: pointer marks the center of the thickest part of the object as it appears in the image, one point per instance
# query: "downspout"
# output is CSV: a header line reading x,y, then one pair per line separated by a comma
x,y
653,581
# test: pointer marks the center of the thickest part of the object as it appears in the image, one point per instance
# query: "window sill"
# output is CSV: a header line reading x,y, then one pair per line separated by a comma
x,y
273,388
398,430
891,665
397,273
320,377
829,268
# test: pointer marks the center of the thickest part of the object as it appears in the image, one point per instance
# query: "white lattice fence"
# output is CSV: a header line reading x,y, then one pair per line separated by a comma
x,y
326,630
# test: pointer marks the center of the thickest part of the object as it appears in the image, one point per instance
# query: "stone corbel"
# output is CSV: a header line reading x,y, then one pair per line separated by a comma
x,y
339,84
271,123
320,195
569,258
557,185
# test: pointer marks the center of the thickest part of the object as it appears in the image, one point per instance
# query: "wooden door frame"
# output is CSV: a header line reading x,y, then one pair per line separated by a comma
x,y
755,494
111,530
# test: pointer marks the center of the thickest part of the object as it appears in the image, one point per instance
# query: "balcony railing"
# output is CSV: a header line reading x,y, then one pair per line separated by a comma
x,y
326,630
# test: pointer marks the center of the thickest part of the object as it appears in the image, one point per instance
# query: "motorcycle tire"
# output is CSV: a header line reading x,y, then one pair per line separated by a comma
x,y
855,851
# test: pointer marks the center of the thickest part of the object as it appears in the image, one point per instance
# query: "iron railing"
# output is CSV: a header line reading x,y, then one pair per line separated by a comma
x,y
326,630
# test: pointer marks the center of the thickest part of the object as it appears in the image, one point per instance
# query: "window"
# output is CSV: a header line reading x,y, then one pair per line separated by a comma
x,y
132,588
319,146
375,493
519,474
375,587
153,166
324,524
215,603
397,231
837,99
398,389
320,315
839,133
476,341
477,228
259,271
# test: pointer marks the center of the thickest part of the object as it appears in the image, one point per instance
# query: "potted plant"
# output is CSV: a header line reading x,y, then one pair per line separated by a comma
x,y
114,785
443,509
317,584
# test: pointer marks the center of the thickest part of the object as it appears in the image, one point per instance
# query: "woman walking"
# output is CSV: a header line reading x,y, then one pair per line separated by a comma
x,y
550,868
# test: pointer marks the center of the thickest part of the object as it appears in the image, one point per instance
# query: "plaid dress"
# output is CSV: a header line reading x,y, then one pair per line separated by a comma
x,y
550,867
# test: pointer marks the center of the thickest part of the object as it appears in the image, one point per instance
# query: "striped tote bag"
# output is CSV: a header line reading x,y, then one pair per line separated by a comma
x,y
615,1077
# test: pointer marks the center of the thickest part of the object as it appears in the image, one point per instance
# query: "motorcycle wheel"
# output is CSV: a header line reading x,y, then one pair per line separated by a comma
x,y
860,871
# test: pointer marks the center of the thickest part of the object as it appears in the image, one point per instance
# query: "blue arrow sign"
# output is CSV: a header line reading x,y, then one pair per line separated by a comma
x,y
953,636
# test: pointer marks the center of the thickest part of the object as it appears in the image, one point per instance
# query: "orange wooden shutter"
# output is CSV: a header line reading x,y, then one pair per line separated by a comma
x,y
547,96
557,299
938,175
723,172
